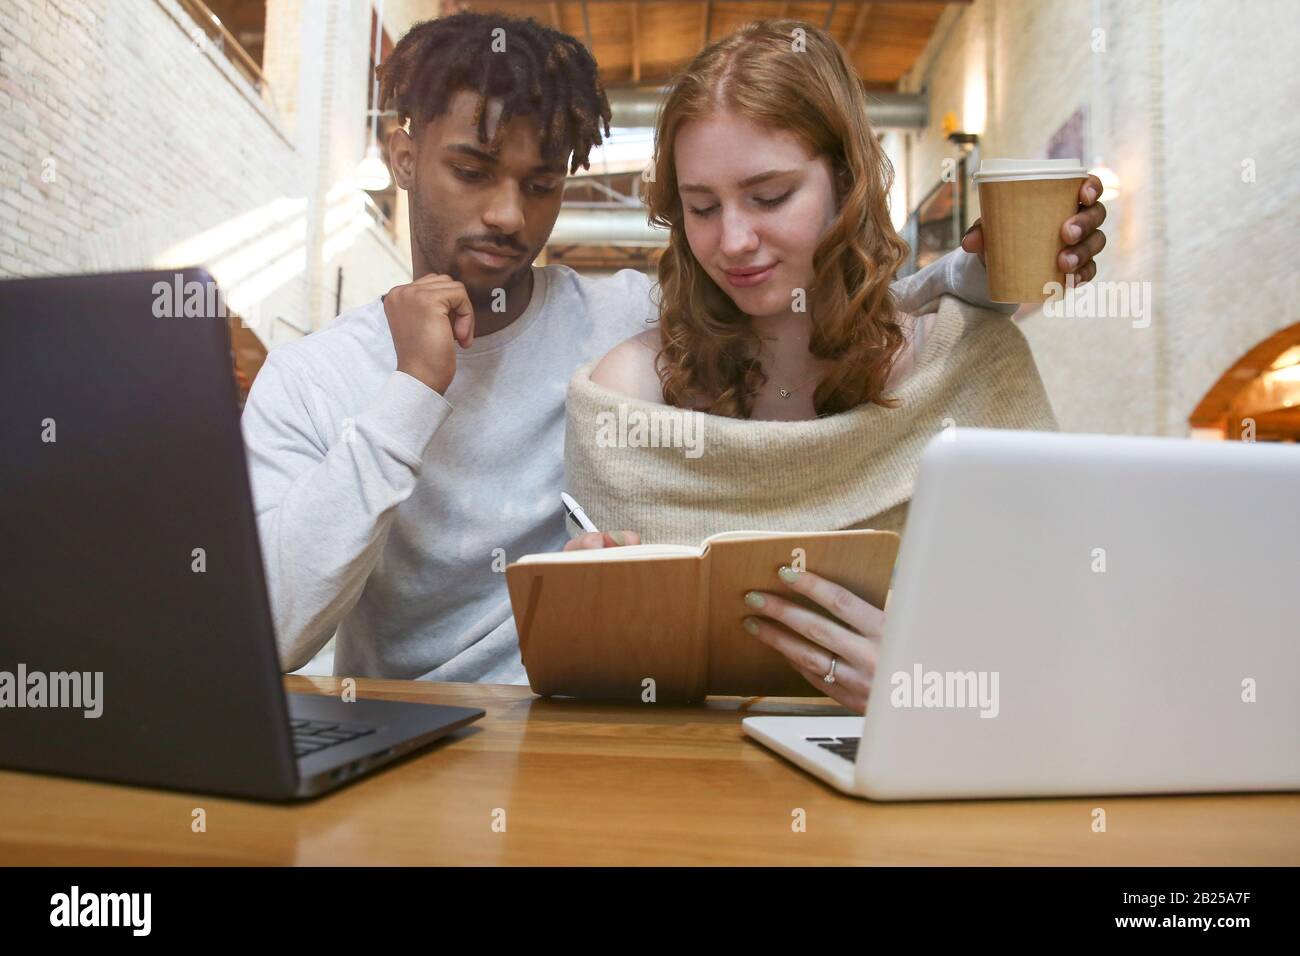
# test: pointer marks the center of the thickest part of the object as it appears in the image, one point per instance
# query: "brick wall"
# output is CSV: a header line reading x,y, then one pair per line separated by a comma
x,y
127,143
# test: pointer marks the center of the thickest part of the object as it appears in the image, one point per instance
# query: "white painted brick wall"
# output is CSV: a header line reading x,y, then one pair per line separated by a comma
x,y
124,144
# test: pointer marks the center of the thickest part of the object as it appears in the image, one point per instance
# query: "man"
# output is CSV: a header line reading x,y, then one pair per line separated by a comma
x,y
382,514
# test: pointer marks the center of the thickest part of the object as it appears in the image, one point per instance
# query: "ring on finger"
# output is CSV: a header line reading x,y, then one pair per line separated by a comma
x,y
830,674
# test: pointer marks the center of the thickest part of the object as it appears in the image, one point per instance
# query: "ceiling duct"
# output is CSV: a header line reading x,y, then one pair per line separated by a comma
x,y
638,108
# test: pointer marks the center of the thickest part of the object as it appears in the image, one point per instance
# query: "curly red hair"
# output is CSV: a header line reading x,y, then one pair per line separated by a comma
x,y
707,345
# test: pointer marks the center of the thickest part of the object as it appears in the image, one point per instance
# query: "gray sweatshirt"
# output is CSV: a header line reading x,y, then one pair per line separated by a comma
x,y
388,517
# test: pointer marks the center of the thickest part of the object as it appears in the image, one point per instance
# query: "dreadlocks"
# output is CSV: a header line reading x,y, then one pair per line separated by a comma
x,y
541,72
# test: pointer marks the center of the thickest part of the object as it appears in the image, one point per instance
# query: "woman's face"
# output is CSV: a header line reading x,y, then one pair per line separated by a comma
x,y
755,201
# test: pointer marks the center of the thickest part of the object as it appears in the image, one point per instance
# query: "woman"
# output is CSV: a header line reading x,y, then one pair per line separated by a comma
x,y
778,330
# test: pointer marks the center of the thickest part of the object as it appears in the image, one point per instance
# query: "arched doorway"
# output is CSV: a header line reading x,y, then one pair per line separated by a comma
x,y
1258,398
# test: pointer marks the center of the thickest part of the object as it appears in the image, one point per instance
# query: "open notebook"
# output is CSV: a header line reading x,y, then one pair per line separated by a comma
x,y
601,623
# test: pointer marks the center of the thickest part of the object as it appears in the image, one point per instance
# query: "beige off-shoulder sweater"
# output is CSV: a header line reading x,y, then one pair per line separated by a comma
x,y
678,476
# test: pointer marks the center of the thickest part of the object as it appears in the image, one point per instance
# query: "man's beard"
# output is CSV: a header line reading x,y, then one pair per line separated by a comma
x,y
439,251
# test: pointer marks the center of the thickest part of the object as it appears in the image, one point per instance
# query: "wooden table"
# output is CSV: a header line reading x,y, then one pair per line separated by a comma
x,y
608,784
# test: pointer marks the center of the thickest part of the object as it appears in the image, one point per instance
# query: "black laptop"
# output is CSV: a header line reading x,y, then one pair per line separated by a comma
x,y
130,559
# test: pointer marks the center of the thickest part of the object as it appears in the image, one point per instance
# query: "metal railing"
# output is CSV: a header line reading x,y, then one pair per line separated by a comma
x,y
225,41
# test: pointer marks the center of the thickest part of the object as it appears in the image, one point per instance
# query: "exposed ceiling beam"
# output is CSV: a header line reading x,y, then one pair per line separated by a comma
x,y
486,5
489,4
830,15
636,42
859,25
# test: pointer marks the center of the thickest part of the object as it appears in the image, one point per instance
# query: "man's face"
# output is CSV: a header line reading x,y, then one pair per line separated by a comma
x,y
480,217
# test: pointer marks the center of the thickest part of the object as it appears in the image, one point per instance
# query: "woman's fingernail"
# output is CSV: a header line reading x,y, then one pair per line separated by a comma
x,y
754,599
1071,260
617,536
1074,232
750,625
788,574
1090,192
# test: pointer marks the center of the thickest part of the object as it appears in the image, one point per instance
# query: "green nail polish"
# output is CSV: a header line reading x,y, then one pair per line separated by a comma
x,y
788,574
618,537
750,625
754,599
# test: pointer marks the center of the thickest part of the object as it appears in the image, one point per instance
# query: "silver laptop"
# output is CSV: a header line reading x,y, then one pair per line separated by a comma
x,y
1080,615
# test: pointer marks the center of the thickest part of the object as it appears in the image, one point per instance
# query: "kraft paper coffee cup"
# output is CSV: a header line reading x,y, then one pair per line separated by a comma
x,y
1024,203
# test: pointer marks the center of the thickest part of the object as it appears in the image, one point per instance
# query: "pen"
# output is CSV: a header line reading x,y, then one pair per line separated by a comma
x,y
576,513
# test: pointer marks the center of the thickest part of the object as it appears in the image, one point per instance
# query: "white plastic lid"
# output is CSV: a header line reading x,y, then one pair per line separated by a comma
x,y
1002,170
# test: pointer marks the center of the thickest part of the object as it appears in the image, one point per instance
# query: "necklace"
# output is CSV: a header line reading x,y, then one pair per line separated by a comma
x,y
787,392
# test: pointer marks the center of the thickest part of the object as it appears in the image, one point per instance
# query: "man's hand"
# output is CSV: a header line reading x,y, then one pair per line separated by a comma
x,y
602,539
426,318
1081,232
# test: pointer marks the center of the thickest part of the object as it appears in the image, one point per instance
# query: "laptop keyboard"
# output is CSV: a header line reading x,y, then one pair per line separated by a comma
x,y
846,747
310,736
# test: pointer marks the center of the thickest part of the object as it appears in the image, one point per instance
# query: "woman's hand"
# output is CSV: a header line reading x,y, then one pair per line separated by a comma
x,y
602,539
1081,233
810,640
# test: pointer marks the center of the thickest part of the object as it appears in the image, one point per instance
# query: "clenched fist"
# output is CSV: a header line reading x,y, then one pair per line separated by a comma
x,y
427,318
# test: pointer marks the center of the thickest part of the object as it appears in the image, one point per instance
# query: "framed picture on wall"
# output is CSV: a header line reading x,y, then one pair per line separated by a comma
x,y
1069,140
935,227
